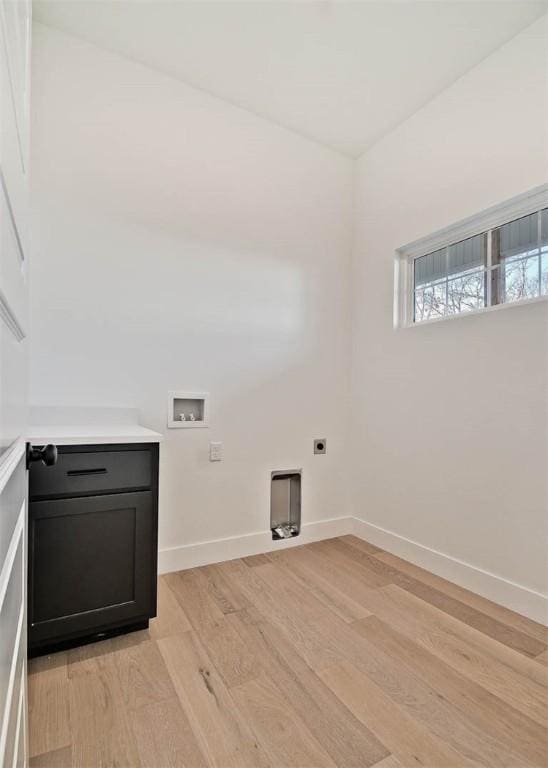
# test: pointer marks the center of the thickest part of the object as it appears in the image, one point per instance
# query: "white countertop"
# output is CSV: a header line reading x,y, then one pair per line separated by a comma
x,y
93,434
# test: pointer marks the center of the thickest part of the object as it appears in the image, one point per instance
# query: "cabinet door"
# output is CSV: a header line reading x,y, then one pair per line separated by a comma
x,y
92,565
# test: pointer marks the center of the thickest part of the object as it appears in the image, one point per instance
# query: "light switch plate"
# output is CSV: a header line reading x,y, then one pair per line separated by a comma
x,y
215,451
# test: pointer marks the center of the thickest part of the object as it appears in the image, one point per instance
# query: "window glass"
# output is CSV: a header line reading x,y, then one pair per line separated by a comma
x,y
520,255
451,280
466,292
430,302
544,252
519,237
431,267
521,279
467,255
544,227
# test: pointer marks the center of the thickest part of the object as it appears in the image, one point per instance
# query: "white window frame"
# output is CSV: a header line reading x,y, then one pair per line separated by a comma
x,y
529,202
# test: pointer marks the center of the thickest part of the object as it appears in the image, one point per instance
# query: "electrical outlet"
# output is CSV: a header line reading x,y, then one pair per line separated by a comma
x,y
320,445
215,451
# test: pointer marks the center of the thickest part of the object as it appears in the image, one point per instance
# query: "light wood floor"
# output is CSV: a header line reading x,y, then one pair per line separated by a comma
x,y
329,654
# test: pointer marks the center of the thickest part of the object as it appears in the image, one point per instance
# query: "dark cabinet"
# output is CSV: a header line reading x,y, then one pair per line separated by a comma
x,y
93,532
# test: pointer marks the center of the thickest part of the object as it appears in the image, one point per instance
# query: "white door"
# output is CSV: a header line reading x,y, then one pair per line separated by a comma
x,y
14,252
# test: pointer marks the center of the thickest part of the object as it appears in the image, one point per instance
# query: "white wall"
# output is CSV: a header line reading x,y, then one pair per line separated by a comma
x,y
451,419
181,243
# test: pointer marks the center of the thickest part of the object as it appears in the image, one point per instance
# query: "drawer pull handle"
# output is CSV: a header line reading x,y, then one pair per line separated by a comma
x,y
81,472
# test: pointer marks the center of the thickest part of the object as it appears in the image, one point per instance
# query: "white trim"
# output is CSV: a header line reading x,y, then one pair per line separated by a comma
x,y
9,461
4,30
475,312
11,681
8,316
219,550
7,567
20,718
17,540
508,593
20,251
521,205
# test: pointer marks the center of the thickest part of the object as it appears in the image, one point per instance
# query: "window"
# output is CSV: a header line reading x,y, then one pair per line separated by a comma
x,y
520,259
502,262
451,280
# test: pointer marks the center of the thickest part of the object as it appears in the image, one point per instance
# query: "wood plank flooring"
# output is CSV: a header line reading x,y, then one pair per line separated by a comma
x,y
329,654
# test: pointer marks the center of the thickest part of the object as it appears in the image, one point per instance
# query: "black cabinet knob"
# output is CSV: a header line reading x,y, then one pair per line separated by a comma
x,y
47,455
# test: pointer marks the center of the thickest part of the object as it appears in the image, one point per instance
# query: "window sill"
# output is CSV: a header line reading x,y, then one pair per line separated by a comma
x,y
475,312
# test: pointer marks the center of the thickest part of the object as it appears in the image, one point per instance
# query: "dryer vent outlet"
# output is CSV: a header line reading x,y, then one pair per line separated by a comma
x,y
285,504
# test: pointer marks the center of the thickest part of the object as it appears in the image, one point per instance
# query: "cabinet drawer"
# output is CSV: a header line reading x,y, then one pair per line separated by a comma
x,y
89,471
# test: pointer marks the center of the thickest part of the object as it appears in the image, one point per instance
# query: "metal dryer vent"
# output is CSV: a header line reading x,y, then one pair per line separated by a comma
x,y
285,503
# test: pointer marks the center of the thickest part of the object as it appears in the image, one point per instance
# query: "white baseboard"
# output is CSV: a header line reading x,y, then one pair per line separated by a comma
x,y
518,598
206,552
502,591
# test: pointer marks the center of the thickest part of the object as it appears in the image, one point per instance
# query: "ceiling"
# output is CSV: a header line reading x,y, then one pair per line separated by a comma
x,y
341,73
